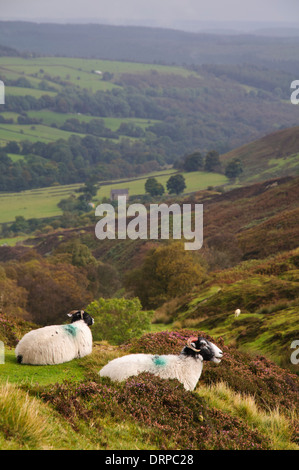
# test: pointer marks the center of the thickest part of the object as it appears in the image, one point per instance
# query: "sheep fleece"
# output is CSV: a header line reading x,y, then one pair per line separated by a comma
x,y
186,369
55,344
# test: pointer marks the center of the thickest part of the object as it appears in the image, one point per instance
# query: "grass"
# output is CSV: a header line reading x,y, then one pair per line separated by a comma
x,y
68,406
54,65
79,72
33,133
19,91
36,203
42,203
274,424
51,117
13,241
195,181
26,423
43,375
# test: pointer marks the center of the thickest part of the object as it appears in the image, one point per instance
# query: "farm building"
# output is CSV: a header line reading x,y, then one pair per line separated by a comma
x,y
114,193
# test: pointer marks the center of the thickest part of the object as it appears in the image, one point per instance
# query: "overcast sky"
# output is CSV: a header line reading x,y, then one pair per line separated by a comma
x,y
159,12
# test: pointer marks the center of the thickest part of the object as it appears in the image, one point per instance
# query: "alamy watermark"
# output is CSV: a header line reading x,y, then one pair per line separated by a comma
x,y
2,92
295,94
295,354
2,353
157,222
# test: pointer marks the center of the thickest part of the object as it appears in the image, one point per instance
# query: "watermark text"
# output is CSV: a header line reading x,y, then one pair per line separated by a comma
x,y
159,222
2,354
295,94
295,354
2,92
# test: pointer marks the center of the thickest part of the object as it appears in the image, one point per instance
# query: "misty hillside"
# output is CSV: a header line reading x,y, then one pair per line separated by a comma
x,y
148,45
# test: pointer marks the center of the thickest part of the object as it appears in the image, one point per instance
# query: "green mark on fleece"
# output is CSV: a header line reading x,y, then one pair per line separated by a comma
x,y
70,329
159,361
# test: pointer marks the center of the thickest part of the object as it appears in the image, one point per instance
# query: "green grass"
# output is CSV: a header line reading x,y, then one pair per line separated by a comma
x,y
56,64
13,241
15,157
26,423
35,203
41,203
19,91
195,181
33,133
79,72
272,423
51,117
16,373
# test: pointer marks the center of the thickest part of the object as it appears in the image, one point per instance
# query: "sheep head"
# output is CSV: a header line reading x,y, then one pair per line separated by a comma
x,y
76,315
207,350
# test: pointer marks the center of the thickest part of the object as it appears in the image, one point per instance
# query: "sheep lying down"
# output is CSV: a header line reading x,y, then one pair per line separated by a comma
x,y
56,344
186,367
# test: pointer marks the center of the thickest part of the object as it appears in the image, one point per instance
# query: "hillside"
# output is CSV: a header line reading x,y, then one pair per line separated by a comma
x,y
148,412
151,45
267,293
66,120
246,402
90,108
274,155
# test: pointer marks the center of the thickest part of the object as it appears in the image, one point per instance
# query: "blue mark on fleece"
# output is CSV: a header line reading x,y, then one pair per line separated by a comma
x,y
159,361
70,329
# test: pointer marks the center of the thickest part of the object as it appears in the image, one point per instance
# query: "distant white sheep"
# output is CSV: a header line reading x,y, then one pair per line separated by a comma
x,y
56,344
237,312
186,367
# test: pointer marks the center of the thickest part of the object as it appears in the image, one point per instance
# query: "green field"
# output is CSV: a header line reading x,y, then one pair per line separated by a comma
x,y
33,133
51,117
20,91
41,203
57,72
36,203
79,72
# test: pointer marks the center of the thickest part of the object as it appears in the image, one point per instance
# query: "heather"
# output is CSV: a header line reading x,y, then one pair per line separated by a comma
x,y
270,384
174,418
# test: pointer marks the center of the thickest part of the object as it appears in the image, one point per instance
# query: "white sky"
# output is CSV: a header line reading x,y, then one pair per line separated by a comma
x,y
163,12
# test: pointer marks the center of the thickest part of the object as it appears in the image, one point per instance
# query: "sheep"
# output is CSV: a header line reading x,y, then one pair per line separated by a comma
x,y
237,312
186,367
56,344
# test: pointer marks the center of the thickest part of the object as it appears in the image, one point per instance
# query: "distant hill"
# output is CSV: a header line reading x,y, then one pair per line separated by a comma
x,y
8,51
143,44
276,154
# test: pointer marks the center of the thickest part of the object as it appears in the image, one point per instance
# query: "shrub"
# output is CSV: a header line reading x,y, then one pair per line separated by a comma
x,y
118,320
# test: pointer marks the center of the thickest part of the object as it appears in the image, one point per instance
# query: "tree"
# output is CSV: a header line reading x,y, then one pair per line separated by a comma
x,y
234,169
20,224
176,184
167,272
153,187
89,190
193,162
118,320
212,162
53,289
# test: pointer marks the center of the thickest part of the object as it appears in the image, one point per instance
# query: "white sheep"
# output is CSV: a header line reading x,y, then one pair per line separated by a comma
x,y
186,367
237,312
56,344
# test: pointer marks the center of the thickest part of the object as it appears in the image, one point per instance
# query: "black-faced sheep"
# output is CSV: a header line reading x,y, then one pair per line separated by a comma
x,y
186,367
56,344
